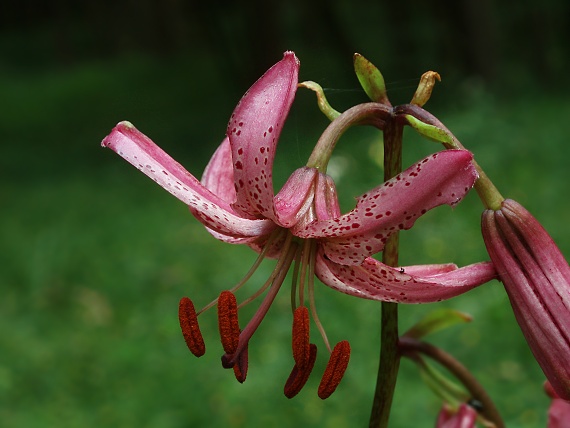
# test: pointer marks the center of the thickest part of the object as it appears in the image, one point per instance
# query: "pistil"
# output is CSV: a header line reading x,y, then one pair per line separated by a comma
x,y
277,278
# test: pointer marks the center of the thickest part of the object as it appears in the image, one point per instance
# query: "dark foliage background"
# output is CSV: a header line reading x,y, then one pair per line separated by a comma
x,y
94,257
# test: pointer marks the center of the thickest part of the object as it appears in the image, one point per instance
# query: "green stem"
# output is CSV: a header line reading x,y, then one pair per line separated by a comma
x,y
389,353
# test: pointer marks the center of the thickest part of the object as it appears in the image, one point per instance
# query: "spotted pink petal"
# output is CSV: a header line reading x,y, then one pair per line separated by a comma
x,y
429,270
212,211
377,281
442,178
254,130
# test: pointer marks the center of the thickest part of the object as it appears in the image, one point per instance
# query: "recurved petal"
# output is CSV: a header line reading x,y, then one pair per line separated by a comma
x,y
213,212
254,130
442,178
218,176
429,270
377,281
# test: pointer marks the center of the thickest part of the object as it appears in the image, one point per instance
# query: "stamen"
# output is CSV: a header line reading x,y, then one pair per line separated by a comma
x,y
301,328
299,375
311,287
335,369
240,367
278,275
190,328
270,241
276,270
228,321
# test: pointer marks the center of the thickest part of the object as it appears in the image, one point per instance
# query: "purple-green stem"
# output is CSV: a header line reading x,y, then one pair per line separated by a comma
x,y
410,347
389,336
488,193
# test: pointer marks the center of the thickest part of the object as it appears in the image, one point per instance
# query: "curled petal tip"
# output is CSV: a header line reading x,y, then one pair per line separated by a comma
x,y
291,55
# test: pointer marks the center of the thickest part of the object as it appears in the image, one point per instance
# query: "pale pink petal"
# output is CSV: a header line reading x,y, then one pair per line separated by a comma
x,y
295,197
377,281
326,199
213,212
442,178
218,176
428,270
254,130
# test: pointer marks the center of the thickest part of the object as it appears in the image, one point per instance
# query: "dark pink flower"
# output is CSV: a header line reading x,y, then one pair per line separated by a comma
x,y
537,280
559,411
302,223
464,417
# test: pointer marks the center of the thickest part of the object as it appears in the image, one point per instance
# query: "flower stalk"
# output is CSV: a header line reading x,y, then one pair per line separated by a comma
x,y
389,354
409,347
374,114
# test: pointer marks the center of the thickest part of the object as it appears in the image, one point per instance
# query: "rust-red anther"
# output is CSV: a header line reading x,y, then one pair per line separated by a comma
x,y
336,367
301,326
240,367
299,375
190,328
228,321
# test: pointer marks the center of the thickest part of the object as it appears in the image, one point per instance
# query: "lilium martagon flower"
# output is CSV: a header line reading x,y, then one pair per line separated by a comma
x,y
536,277
302,225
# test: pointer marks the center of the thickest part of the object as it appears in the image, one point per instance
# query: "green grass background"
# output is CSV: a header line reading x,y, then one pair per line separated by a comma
x,y
94,256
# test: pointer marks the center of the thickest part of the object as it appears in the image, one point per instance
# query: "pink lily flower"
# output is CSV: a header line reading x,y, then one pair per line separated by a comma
x,y
537,280
464,417
559,411
302,224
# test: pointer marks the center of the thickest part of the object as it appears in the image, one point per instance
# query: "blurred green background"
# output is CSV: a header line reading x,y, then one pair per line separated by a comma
x,y
94,256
